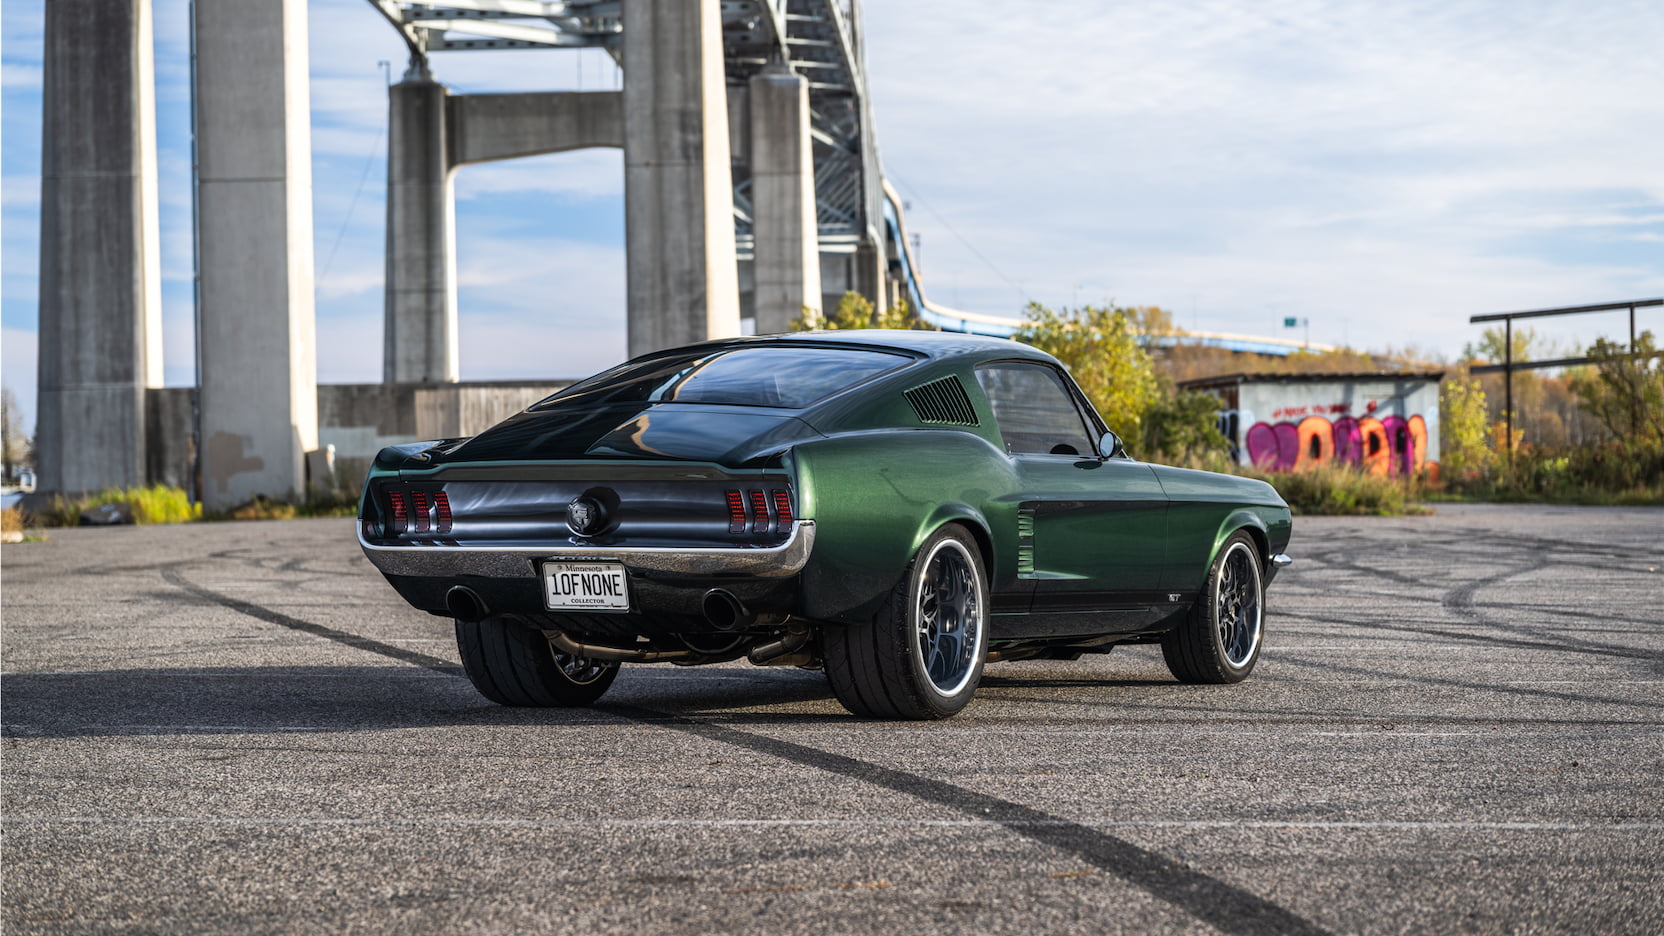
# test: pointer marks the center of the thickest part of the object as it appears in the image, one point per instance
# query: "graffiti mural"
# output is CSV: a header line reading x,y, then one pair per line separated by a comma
x,y
1386,424
1391,445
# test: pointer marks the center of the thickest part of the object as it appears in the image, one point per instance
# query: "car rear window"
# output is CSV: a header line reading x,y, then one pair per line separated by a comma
x,y
780,376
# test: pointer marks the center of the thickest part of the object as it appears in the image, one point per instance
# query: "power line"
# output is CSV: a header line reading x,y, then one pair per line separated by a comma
x,y
971,247
362,178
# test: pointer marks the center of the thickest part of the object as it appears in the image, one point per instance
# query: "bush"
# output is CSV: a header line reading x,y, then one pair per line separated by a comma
x,y
1339,489
1615,473
336,503
1183,429
154,504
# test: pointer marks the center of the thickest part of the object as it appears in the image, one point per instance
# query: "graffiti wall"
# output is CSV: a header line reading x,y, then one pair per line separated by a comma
x,y
1387,426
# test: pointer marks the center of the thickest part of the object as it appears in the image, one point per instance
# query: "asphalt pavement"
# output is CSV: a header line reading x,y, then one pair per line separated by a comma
x,y
1457,726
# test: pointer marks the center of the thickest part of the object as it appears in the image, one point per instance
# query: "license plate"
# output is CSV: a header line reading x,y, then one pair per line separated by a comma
x,y
586,586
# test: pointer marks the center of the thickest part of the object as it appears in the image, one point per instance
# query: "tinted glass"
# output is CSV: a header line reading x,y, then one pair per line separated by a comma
x,y
789,377
1034,410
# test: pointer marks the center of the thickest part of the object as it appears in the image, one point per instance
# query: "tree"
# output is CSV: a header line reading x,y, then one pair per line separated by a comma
x,y
856,311
1183,428
1494,340
1100,347
1464,428
15,447
1626,391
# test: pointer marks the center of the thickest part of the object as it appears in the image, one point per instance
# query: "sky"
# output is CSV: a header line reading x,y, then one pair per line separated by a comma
x,y
1379,170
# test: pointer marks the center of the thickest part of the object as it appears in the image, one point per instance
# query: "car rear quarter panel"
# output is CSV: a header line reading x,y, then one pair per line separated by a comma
x,y
1205,509
877,496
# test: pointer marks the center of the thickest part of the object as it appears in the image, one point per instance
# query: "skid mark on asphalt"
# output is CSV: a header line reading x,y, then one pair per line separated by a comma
x,y
438,664
1591,648
1461,602
674,823
1506,688
1226,907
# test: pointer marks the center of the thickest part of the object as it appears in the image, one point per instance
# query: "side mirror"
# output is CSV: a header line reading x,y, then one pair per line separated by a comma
x,y
1110,446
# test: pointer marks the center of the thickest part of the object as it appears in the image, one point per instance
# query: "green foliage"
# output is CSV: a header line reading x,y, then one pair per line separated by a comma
x,y
1626,392
1183,429
161,504
337,503
1464,430
1100,347
856,311
1494,342
154,504
1623,464
1338,489
1612,473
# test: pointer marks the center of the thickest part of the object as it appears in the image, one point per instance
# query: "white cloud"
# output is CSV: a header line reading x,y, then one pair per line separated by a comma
x,y
592,173
1379,162
17,370
20,76
1383,169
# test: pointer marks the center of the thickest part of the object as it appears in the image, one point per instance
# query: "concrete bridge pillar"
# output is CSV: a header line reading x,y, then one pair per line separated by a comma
x,y
259,396
100,279
420,314
786,269
678,186
432,133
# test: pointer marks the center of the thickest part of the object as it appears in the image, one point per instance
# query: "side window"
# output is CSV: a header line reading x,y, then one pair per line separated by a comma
x,y
1035,412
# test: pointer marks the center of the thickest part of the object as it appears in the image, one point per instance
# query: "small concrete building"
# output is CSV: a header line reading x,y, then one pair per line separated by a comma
x,y
1384,423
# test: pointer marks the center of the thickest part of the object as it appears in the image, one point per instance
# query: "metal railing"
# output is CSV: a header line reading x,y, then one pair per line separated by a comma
x,y
1508,365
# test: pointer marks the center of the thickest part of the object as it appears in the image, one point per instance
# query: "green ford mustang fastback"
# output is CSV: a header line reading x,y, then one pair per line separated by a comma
x,y
894,507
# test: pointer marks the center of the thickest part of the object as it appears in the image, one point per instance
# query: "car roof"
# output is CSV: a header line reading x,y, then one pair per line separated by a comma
x,y
933,344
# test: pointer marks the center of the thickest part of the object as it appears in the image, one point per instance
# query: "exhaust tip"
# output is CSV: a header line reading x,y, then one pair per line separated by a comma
x,y
724,611
465,604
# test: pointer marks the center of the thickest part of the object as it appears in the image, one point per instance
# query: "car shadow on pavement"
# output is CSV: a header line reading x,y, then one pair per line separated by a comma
x,y
290,699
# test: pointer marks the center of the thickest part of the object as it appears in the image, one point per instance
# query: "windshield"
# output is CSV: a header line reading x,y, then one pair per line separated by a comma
x,y
781,376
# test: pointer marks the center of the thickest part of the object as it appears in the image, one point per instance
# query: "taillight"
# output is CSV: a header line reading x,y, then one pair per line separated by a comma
x,y
419,507
418,511
736,512
441,513
753,510
401,512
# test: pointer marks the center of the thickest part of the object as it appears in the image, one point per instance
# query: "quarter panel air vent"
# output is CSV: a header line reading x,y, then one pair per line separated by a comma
x,y
942,403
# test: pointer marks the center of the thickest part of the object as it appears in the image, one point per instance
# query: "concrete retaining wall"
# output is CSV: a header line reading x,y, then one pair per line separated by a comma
x,y
358,419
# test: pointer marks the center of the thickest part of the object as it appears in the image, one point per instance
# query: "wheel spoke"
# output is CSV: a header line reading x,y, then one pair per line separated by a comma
x,y
1237,605
948,618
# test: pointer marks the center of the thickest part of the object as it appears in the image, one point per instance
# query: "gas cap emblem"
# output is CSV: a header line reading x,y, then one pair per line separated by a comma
x,y
585,516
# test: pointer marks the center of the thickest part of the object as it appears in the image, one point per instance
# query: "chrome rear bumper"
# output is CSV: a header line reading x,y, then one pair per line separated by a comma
x,y
1277,563
521,561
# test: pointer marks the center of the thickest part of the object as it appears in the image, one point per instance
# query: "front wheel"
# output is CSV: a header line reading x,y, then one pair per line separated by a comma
x,y
921,657
511,663
1220,639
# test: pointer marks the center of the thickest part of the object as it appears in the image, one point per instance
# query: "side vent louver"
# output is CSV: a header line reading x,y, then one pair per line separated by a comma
x,y
942,403
1025,542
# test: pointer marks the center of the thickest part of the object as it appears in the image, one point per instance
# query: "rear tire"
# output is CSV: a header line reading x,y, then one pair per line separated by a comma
x,y
511,663
1220,639
921,657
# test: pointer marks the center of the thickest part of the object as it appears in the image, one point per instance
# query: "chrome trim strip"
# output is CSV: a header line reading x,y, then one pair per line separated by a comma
x,y
781,561
1282,559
